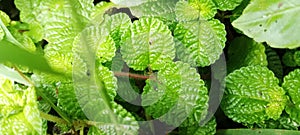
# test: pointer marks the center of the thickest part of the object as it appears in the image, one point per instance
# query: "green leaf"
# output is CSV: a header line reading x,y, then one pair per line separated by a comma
x,y
227,4
117,24
284,122
19,113
291,85
6,20
33,61
95,131
148,43
127,3
274,62
238,11
95,88
68,102
61,22
98,12
200,43
159,8
177,91
12,75
253,95
208,129
244,52
195,10
273,22
256,132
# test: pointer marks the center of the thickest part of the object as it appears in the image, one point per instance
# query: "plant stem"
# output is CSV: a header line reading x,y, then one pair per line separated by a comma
x,y
63,115
136,76
52,118
60,113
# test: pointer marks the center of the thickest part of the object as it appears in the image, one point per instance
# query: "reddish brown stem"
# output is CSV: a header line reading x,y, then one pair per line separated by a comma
x,y
131,75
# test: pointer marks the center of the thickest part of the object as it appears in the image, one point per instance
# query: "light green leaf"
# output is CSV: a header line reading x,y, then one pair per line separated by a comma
x,y
117,24
128,3
94,85
6,20
195,10
95,131
244,52
12,75
61,22
200,43
148,43
274,22
19,113
291,85
98,12
227,4
158,8
31,60
253,95
177,91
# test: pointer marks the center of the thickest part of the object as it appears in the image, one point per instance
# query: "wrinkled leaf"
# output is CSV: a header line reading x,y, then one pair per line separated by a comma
x,y
177,91
227,4
200,43
19,112
291,85
159,8
148,43
253,95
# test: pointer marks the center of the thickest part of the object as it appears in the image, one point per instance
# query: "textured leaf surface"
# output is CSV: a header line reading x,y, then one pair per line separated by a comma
x,y
227,4
200,43
177,91
208,129
19,113
6,20
252,95
159,8
148,43
68,102
195,10
274,62
243,52
284,122
61,21
291,84
95,90
274,22
117,24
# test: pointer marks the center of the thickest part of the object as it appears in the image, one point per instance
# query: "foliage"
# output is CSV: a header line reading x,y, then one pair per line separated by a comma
x,y
149,66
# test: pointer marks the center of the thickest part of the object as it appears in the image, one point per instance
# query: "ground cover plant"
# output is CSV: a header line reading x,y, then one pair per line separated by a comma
x,y
195,67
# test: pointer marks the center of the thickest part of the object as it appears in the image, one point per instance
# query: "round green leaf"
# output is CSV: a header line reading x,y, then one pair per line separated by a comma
x,y
253,95
274,22
177,91
200,43
148,43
